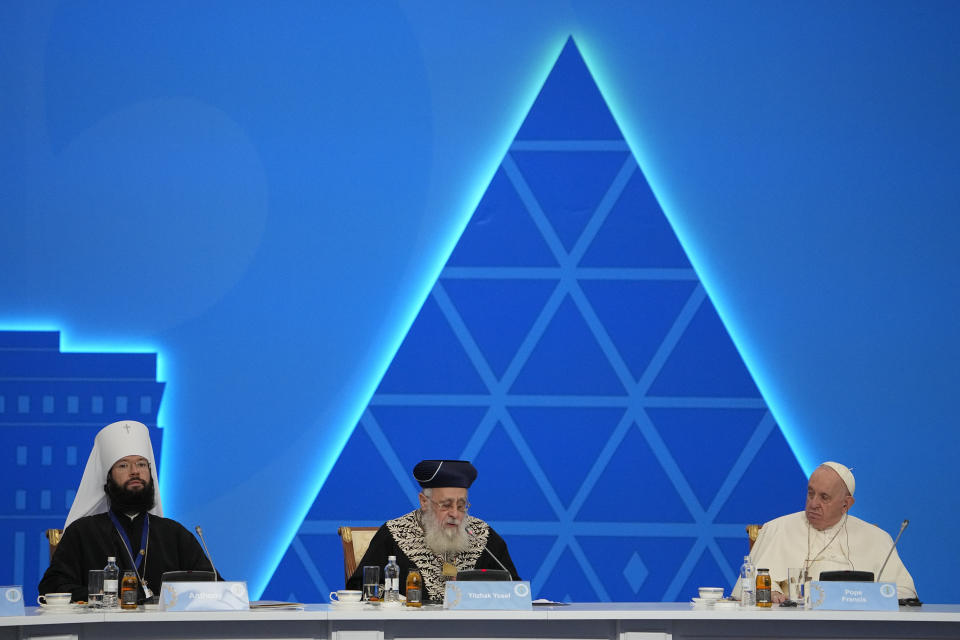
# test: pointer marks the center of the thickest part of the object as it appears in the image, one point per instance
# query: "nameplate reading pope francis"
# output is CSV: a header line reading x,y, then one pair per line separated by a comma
x,y
854,596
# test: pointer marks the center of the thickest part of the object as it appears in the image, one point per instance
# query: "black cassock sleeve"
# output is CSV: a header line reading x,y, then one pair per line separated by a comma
x,y
88,542
69,562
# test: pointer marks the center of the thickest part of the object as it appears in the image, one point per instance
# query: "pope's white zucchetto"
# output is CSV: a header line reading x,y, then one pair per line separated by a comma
x,y
845,474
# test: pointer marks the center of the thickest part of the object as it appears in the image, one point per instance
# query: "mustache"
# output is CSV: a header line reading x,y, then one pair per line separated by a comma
x,y
123,498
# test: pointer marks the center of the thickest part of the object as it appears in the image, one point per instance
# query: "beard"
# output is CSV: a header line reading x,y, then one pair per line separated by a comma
x,y
129,501
442,539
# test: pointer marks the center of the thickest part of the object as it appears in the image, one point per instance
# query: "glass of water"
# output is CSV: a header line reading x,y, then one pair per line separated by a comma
x,y
95,589
795,581
371,584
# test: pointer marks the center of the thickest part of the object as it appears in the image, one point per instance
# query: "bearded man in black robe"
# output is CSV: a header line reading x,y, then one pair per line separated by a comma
x,y
126,520
439,539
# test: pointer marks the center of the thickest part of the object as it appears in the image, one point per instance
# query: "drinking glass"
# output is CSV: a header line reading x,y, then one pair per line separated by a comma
x,y
795,584
371,584
95,589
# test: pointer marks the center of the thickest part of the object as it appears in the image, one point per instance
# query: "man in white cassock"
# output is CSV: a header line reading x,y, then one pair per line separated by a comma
x,y
117,512
825,537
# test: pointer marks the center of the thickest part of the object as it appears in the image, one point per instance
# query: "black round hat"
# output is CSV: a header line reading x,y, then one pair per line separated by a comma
x,y
444,473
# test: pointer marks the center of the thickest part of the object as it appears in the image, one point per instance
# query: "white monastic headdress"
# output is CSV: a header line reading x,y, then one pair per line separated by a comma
x,y
115,441
845,474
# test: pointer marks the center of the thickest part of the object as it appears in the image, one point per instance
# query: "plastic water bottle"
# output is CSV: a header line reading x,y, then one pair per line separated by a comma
x,y
748,575
391,580
111,584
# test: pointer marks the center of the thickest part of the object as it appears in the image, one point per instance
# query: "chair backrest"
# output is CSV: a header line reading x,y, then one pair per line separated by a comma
x,y
753,530
53,537
355,541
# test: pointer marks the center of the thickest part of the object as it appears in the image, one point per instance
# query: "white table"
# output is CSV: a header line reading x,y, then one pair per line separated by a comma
x,y
586,621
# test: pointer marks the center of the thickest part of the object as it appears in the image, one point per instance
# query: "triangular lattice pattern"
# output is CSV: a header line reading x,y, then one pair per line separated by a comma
x,y
569,350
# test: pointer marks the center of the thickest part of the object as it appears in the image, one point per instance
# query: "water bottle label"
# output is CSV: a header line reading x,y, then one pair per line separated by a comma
x,y
110,585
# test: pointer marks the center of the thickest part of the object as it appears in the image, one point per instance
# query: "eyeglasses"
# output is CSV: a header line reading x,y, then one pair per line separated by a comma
x,y
124,467
449,505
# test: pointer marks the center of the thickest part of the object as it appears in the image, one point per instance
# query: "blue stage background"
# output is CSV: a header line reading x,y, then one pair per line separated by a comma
x,y
266,197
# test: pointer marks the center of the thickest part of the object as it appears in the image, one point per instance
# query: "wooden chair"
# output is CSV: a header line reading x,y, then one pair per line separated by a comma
x,y
53,537
753,530
355,541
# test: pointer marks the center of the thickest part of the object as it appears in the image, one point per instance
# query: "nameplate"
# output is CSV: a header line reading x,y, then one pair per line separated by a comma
x,y
479,594
204,596
854,596
11,601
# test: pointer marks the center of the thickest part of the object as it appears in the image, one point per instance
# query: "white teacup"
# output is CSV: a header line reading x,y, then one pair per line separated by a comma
x,y
711,593
345,596
54,599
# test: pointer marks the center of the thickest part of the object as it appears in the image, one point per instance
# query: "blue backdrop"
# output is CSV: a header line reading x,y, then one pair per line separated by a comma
x,y
266,198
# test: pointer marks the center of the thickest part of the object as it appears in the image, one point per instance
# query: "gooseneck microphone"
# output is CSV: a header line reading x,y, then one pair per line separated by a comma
x,y
216,576
892,547
487,549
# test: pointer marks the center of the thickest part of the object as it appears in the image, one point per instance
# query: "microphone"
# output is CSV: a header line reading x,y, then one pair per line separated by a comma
x,y
892,547
199,531
473,534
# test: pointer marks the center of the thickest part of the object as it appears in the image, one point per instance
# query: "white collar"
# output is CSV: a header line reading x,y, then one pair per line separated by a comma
x,y
829,530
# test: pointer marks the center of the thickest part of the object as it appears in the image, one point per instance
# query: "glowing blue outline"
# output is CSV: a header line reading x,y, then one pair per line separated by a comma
x,y
69,345
258,584
777,406
487,170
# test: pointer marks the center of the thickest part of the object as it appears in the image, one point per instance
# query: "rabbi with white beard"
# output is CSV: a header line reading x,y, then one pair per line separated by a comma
x,y
440,538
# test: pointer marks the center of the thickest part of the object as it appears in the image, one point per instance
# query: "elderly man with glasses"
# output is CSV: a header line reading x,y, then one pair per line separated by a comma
x,y
440,538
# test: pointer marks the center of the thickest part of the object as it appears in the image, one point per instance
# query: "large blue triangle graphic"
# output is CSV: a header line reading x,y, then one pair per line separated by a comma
x,y
570,349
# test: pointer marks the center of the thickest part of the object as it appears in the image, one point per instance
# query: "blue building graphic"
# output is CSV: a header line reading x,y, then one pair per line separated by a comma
x,y
52,404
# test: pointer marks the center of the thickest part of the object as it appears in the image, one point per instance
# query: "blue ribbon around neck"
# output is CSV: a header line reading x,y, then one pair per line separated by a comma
x,y
138,558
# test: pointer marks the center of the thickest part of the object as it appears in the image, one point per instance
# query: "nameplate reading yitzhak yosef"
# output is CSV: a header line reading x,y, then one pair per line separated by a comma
x,y
470,594
11,601
854,596
204,596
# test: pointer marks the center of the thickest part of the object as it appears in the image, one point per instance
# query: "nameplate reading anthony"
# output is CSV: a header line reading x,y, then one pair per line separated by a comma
x,y
204,596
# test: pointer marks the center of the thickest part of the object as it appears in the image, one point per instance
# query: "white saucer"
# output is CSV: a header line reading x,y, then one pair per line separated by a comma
x,y
703,602
63,608
346,605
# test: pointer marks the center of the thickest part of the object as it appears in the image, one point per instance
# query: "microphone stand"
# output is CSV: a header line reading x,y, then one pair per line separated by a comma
x,y
216,576
892,547
490,553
